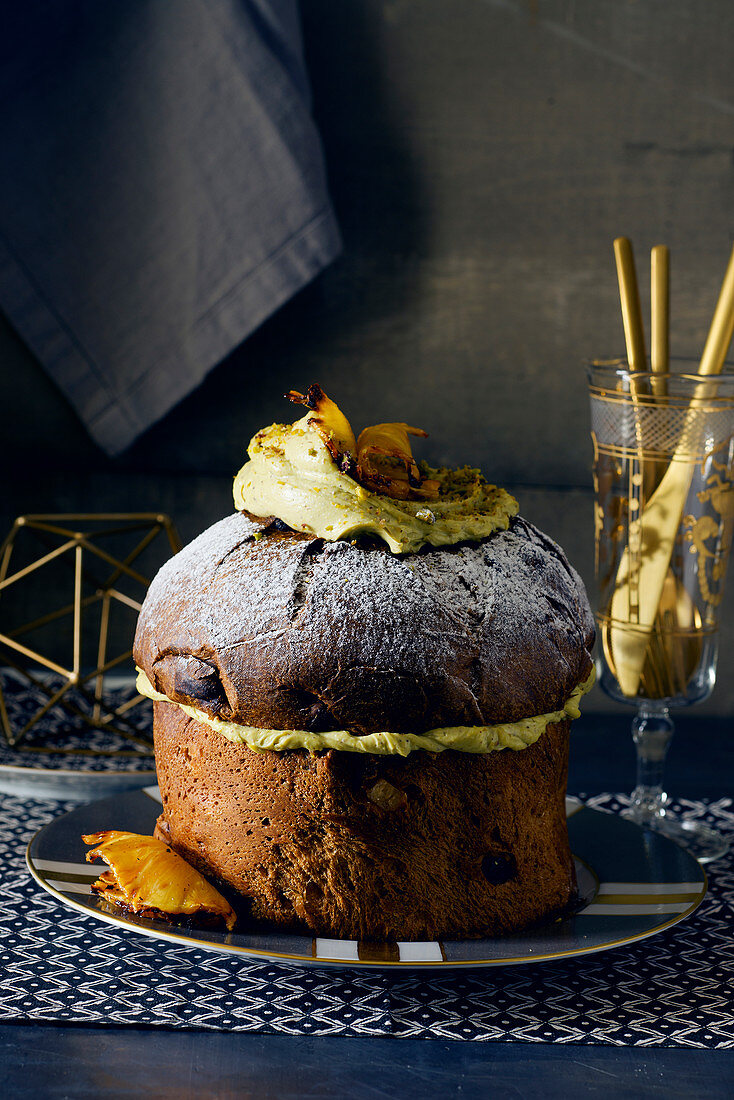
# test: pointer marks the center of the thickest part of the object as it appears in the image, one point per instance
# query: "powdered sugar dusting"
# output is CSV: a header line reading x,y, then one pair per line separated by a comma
x,y
471,634
190,572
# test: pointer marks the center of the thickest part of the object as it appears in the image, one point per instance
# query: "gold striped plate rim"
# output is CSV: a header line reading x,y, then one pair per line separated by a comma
x,y
363,953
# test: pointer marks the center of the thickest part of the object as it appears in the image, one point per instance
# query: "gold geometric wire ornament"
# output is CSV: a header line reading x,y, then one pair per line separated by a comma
x,y
75,543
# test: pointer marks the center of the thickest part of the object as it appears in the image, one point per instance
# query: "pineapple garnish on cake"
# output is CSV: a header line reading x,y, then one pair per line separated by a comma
x,y
148,878
316,476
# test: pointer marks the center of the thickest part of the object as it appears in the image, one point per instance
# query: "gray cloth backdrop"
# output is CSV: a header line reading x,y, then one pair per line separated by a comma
x,y
162,192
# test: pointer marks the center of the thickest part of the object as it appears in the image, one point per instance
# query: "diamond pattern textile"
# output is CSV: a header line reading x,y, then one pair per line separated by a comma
x,y
672,989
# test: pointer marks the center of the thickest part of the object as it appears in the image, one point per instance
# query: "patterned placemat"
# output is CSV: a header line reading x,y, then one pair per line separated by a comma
x,y
60,735
673,989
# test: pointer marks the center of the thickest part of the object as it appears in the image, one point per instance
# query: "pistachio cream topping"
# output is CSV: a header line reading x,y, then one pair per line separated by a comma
x,y
291,474
477,739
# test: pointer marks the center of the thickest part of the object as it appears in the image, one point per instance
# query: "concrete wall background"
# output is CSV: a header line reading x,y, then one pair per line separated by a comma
x,y
482,155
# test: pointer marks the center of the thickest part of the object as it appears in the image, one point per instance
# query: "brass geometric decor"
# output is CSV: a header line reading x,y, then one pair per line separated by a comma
x,y
100,584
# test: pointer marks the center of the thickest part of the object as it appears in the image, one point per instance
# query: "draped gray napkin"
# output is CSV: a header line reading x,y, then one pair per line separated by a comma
x,y
162,192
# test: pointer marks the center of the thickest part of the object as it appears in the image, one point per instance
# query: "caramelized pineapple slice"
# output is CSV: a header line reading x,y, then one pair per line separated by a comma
x,y
328,420
147,875
381,459
386,465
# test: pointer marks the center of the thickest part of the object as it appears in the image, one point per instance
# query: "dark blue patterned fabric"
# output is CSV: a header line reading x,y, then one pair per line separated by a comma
x,y
63,734
673,989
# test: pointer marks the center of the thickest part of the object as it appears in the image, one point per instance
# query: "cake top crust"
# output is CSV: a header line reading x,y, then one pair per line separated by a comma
x,y
281,630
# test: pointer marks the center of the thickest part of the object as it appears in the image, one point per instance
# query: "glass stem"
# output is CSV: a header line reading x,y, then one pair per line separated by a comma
x,y
652,730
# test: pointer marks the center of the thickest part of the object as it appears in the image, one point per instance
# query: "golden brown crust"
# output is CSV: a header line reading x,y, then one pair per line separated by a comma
x,y
280,630
364,847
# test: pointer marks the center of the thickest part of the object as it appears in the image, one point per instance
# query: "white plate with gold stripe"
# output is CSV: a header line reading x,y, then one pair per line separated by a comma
x,y
633,884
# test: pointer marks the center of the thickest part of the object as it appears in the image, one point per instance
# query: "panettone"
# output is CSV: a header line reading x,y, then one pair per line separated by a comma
x,y
366,743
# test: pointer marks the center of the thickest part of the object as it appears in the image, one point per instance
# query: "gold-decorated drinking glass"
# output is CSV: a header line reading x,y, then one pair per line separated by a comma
x,y
663,467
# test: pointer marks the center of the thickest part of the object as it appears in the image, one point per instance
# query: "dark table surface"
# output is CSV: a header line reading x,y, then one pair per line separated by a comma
x,y
48,1060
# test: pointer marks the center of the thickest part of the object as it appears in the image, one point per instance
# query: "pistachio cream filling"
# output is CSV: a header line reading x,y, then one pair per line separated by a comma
x,y
507,735
291,474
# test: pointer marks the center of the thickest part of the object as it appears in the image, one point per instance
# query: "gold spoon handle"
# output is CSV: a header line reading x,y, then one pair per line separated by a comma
x,y
629,296
722,326
659,311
